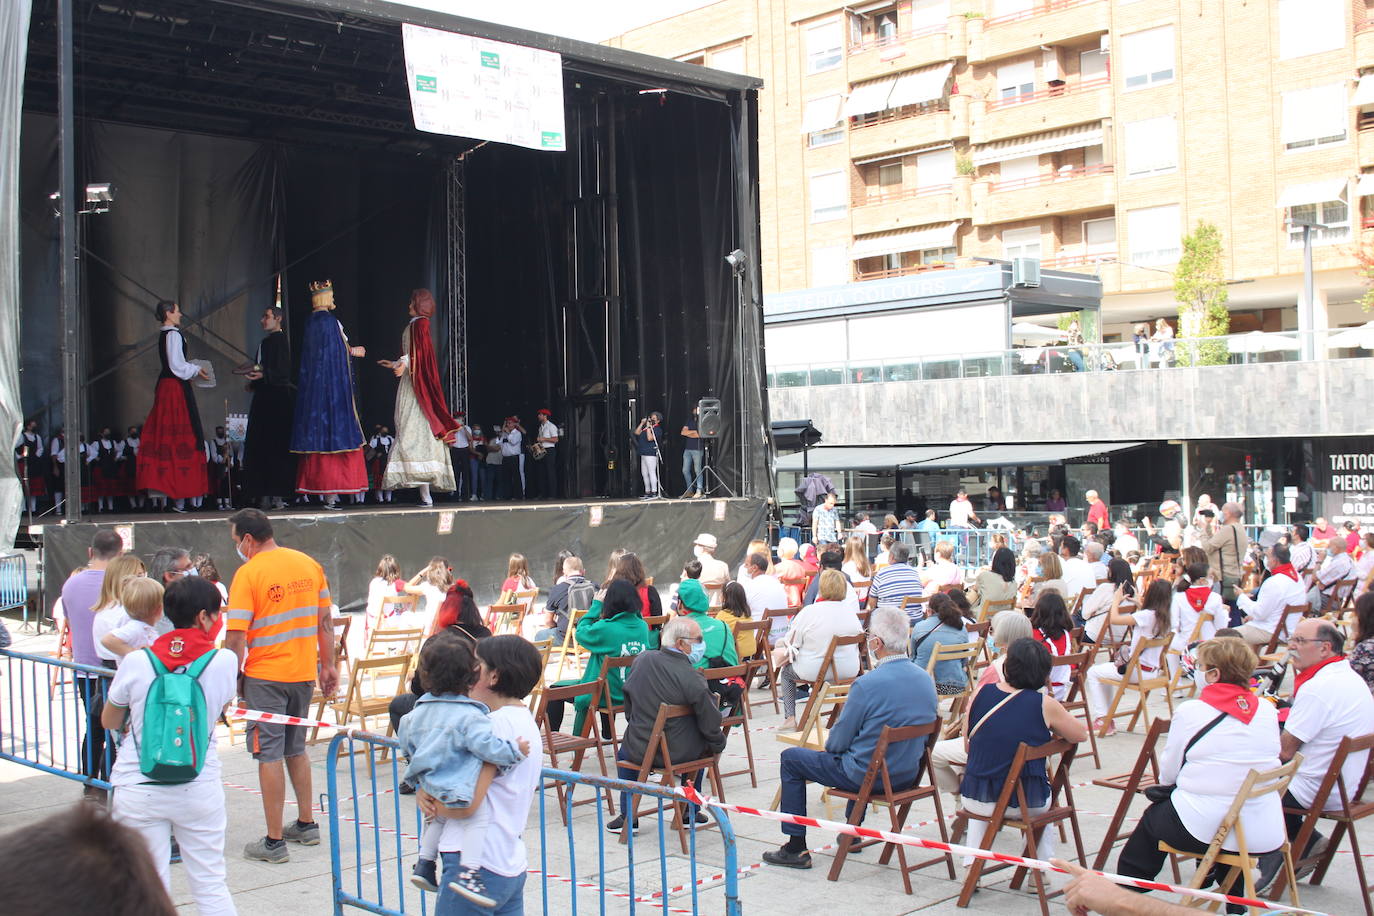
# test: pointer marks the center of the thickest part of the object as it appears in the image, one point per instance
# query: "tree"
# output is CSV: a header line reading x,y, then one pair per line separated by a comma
x,y
1201,293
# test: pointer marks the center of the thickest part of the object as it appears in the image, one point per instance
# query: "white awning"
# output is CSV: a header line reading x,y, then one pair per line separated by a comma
x,y
1365,187
1364,91
1315,192
1055,141
868,98
920,86
821,114
1002,456
872,246
901,153
864,458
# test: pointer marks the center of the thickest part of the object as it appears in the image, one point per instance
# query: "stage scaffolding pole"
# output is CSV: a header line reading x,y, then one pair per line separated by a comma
x,y
455,287
73,422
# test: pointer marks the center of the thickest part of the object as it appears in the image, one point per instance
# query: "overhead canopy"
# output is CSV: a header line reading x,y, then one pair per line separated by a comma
x,y
868,98
820,114
898,154
872,246
1001,456
920,86
1365,187
1054,141
864,458
1313,192
1364,91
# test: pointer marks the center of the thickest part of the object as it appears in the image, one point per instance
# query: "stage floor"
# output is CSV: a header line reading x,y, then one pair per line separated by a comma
x,y
475,538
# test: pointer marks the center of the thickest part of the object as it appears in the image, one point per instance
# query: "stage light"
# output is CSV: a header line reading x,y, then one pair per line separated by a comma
x,y
100,193
735,259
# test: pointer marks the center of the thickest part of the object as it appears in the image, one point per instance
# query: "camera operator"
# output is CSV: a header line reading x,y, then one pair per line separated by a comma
x,y
648,439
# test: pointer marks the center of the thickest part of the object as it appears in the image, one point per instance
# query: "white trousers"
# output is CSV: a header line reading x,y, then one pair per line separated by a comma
x,y
1099,691
947,761
976,829
195,812
648,469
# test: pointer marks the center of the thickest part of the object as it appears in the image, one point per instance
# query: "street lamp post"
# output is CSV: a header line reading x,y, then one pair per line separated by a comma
x,y
1307,307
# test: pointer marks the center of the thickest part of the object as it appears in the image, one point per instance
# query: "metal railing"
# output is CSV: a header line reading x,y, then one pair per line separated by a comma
x,y
873,195
1040,9
14,583
50,707
1056,358
887,41
940,106
1051,92
376,833
906,271
1035,181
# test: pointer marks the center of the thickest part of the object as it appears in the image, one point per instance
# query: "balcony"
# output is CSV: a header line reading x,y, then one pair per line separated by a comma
x,y
1050,22
984,395
1047,109
909,128
881,56
1366,142
877,210
910,270
1364,42
1053,193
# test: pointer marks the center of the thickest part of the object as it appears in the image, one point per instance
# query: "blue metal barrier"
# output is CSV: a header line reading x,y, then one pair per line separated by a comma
x,y
14,583
51,710
375,833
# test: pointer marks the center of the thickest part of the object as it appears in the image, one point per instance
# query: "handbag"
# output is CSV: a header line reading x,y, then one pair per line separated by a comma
x,y
1160,793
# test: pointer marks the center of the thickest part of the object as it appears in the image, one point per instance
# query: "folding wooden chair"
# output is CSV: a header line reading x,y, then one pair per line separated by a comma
x,y
587,738
364,703
1350,810
829,671
1076,700
750,636
738,715
1240,864
1173,660
911,604
544,647
391,606
898,802
342,627
1078,600
609,736
1032,826
1277,648
979,632
1345,588
506,618
820,715
966,653
1141,680
990,609
672,773
569,646
1130,784
387,642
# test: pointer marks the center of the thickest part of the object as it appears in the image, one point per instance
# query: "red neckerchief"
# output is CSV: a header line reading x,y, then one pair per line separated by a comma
x,y
1304,676
181,647
1231,699
1197,596
1287,570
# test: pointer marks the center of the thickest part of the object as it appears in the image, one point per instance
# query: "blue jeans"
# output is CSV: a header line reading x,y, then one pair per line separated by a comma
x,y
509,893
798,766
489,478
632,774
691,469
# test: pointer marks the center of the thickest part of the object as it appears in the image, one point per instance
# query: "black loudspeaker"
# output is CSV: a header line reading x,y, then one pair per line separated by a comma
x,y
708,418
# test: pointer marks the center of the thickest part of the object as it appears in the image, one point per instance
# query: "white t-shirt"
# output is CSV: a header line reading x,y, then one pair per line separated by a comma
x,y
548,431
509,797
960,510
1078,575
765,593
129,689
510,443
134,633
1184,618
1144,629
1334,703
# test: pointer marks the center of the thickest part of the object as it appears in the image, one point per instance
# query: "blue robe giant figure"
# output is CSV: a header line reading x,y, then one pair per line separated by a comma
x,y
327,436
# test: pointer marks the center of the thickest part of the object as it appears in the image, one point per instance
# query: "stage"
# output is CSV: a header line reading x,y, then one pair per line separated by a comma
x,y
476,538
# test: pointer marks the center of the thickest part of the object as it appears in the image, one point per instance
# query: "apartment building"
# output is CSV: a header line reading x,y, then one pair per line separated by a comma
x,y
902,137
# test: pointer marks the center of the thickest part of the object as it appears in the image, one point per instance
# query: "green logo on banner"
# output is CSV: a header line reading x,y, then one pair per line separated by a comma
x,y
491,59
426,83
551,139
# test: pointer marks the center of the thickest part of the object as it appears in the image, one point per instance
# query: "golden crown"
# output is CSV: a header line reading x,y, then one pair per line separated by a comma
x,y
319,286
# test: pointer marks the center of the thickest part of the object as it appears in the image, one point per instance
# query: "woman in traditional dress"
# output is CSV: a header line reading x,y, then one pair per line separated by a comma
x,y
327,437
269,467
420,457
170,460
29,459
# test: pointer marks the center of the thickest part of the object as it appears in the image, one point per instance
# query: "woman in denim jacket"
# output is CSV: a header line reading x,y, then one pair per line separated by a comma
x,y
448,737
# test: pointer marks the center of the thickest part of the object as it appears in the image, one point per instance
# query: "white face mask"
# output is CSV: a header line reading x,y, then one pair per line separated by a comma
x,y
1200,677
698,551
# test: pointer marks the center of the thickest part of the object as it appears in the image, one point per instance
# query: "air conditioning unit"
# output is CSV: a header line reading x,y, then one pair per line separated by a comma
x,y
1025,272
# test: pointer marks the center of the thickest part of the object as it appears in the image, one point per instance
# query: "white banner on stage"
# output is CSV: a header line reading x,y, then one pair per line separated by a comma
x,y
489,90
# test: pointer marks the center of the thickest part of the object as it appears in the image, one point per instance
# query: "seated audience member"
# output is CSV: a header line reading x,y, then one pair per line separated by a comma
x,y
1029,567
1303,554
629,568
572,592
832,557
614,627
719,642
1362,655
801,652
1125,540
942,626
862,525
942,570
884,555
895,581
765,593
997,582
458,614
82,860
734,608
1351,532
755,546
789,567
1264,612
1194,599
1330,701
1324,595
1002,715
690,570
1364,566
1077,573
714,573
1051,622
1095,607
666,676
856,567
1093,552
1151,621
1051,578
1212,745
895,693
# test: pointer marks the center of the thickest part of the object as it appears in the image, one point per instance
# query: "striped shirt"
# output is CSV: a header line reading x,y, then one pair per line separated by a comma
x,y
893,583
277,598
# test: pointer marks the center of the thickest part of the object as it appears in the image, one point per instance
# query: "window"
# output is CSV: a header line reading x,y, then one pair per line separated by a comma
x,y
824,46
890,175
935,168
731,59
1021,243
1154,235
1099,236
1147,57
821,121
885,26
829,266
1333,214
1310,27
1315,117
827,196
1092,157
939,255
1151,146
1092,65
892,262
929,15
1022,169
1015,81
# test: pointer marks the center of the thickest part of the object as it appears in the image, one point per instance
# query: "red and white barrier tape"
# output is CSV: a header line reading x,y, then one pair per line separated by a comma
x,y
255,715
691,794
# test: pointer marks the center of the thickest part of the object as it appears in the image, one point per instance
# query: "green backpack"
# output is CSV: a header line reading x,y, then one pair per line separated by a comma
x,y
176,725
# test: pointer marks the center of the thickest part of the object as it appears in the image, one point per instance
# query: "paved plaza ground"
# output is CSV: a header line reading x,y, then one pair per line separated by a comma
x,y
303,884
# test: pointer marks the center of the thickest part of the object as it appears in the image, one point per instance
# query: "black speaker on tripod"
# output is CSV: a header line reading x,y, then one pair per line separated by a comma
x,y
708,428
708,418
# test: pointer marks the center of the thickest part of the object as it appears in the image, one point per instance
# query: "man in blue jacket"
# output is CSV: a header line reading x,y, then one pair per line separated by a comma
x,y
895,693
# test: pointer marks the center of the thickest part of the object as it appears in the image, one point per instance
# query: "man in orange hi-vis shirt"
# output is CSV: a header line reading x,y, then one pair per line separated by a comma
x,y
279,626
